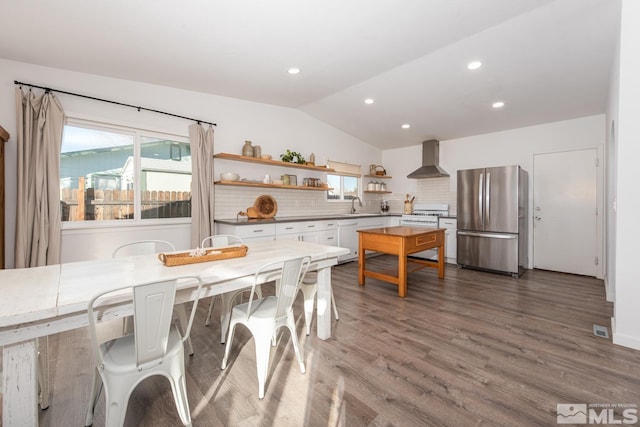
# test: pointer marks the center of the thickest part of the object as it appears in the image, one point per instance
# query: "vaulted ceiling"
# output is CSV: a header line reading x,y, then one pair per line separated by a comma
x,y
547,60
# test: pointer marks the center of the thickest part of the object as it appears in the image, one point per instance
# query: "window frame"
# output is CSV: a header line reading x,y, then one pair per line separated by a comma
x,y
342,195
138,133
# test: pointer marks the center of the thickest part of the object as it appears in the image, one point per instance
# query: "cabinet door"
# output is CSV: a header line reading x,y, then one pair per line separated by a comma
x,y
310,237
450,245
328,237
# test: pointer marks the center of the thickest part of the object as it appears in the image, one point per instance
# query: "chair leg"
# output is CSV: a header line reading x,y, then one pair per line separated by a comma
x,y
335,307
181,311
226,304
43,371
227,349
179,386
309,293
263,350
95,394
211,304
116,403
291,324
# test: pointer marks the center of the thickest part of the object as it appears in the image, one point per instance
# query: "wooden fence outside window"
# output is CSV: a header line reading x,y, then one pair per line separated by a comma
x,y
103,205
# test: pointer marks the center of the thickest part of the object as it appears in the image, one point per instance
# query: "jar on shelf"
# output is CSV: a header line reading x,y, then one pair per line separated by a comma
x,y
247,149
371,186
383,186
257,151
378,186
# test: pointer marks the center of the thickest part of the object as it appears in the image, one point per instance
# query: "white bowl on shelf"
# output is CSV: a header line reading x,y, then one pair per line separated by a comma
x,y
229,176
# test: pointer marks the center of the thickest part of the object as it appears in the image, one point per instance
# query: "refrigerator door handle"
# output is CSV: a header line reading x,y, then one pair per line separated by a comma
x,y
491,235
480,187
487,200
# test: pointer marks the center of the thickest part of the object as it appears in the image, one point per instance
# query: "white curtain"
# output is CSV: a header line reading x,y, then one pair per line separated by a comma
x,y
202,201
40,121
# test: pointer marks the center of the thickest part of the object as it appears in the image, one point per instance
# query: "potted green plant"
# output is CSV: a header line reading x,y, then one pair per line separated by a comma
x,y
292,157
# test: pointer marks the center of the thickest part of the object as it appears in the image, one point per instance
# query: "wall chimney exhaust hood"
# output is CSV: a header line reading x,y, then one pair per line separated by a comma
x,y
430,159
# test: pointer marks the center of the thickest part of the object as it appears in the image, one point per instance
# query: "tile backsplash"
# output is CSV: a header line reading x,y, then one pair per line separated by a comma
x,y
437,190
231,199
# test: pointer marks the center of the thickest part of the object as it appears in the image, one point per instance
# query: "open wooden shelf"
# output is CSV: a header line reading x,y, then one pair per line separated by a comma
x,y
376,192
240,158
261,185
377,176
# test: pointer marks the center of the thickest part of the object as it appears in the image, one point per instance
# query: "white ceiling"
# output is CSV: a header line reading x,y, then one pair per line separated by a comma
x,y
548,60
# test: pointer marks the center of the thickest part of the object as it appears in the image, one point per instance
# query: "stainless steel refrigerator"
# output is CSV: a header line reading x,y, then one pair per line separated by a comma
x,y
492,219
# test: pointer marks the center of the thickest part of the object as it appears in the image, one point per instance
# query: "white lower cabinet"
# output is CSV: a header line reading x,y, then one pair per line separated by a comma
x,y
450,226
322,232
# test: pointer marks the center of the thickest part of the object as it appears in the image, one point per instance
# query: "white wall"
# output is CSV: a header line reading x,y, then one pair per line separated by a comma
x,y
627,284
273,128
516,146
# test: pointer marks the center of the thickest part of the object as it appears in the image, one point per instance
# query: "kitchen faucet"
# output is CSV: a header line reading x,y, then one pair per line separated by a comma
x,y
353,209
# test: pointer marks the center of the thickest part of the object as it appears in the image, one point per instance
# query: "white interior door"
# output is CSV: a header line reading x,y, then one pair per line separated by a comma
x,y
565,212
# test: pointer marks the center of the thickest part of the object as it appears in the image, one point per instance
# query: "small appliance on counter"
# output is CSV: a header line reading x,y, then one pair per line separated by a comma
x,y
384,206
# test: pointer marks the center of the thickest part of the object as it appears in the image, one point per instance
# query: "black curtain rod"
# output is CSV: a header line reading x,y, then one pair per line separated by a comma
x,y
48,89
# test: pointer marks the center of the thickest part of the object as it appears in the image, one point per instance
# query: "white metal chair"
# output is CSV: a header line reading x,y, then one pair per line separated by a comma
x,y
144,247
309,289
264,316
227,300
155,348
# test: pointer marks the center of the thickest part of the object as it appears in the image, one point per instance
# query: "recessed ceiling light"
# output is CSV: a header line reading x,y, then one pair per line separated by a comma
x,y
369,101
406,126
293,70
498,104
474,65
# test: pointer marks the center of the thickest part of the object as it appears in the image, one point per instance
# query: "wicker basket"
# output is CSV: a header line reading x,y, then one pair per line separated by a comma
x,y
183,258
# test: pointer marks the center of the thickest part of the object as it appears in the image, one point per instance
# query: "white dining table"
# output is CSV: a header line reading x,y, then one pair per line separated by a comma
x,y
41,301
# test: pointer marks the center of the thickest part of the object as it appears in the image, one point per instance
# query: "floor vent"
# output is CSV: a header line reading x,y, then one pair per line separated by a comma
x,y
600,331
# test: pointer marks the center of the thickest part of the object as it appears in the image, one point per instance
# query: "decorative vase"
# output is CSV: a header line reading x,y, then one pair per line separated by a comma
x,y
247,149
257,151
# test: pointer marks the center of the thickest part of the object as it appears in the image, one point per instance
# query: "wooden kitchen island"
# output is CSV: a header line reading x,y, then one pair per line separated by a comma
x,y
401,241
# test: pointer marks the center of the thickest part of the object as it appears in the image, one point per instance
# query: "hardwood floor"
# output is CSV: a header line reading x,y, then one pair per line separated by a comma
x,y
473,349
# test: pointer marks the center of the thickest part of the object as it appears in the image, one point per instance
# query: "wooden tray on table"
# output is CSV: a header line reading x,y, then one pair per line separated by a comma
x,y
213,254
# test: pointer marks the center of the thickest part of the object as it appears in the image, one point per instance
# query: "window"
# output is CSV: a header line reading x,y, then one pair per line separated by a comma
x,y
344,187
110,173
345,181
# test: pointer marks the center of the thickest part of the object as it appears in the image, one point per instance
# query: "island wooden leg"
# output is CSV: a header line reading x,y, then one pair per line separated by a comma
x,y
402,275
361,259
441,261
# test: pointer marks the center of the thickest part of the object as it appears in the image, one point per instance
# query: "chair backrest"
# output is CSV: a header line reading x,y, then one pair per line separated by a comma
x,y
152,313
221,240
143,247
290,276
